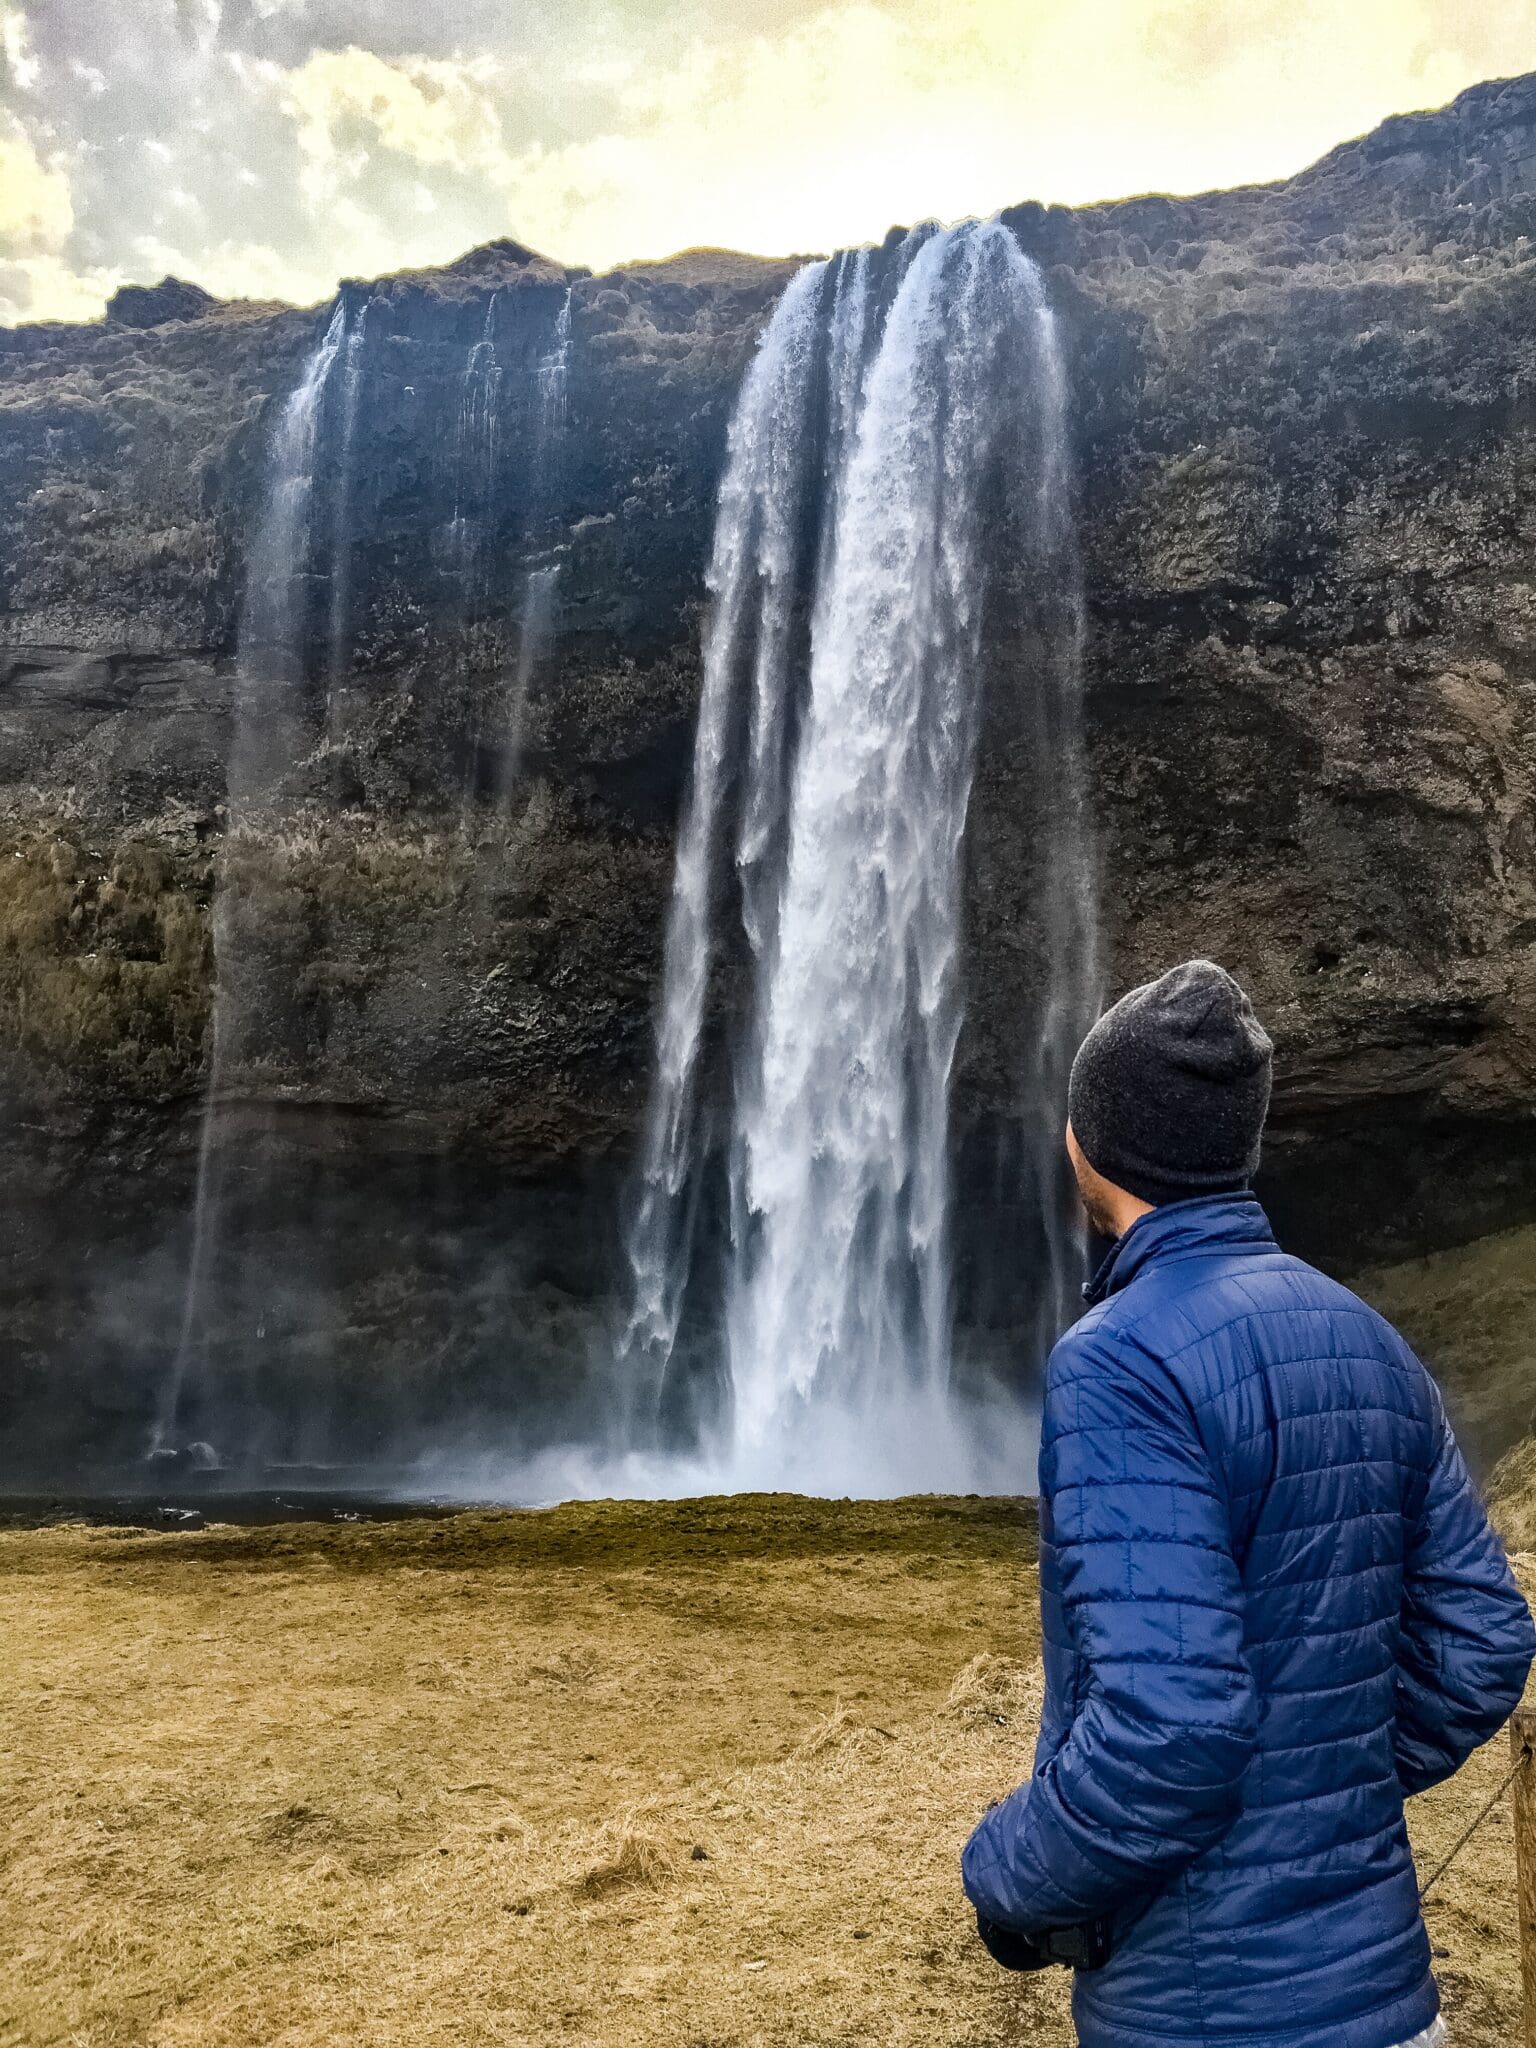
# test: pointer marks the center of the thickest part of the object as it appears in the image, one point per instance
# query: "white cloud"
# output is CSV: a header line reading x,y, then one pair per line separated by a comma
x,y
36,211
46,288
437,112
16,47
230,270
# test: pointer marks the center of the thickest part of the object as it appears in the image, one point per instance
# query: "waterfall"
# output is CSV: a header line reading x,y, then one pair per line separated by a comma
x,y
270,731
340,622
760,496
271,1030
554,374
897,450
535,632
1068,906
274,620
475,454
541,580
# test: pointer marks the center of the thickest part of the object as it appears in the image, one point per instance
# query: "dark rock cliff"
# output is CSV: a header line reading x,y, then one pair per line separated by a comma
x,y
1306,422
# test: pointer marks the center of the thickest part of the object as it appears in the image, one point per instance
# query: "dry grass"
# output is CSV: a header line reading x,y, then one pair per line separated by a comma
x,y
104,958
691,1775
993,1688
1512,1496
1471,1314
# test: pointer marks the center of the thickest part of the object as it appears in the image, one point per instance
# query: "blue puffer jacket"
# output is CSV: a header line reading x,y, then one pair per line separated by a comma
x,y
1272,1606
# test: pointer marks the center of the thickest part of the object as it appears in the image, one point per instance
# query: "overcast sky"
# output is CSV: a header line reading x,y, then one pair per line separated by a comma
x,y
266,148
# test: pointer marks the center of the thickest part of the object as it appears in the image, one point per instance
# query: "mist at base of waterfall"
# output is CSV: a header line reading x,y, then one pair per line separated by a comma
x,y
934,1447
941,1447
385,1327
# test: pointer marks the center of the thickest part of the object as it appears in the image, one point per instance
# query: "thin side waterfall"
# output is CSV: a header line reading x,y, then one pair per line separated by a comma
x,y
476,454
554,374
897,492
541,580
268,734
1068,906
274,622
339,624
535,632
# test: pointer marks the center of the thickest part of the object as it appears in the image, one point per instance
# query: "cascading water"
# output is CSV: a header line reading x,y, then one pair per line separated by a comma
x,y
541,581
896,461
535,631
339,624
472,457
263,1174
267,735
554,374
476,452
760,498
274,624
896,502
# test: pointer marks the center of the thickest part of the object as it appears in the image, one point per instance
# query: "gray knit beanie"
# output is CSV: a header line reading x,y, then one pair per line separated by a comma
x,y
1169,1089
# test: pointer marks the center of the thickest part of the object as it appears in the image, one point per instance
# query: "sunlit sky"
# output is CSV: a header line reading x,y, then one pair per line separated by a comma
x,y
266,148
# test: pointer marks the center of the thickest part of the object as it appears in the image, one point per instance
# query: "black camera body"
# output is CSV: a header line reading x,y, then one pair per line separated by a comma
x,y
1086,1947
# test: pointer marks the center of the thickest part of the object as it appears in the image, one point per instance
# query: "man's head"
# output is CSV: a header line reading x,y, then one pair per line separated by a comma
x,y
1168,1096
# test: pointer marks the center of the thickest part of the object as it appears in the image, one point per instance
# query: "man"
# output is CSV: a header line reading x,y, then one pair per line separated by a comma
x,y
1271,1602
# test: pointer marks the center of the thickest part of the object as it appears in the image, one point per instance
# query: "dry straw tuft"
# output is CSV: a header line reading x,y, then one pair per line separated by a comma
x,y
641,1861
507,1827
996,1689
295,1826
839,1727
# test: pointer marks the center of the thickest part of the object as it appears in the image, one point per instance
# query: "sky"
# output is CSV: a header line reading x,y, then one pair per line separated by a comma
x,y
268,148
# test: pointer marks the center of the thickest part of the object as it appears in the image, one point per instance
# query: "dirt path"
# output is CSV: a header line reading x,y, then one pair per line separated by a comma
x,y
693,1775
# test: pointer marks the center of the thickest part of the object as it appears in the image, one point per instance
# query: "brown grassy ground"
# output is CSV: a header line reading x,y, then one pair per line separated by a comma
x,y
692,1775
1471,1314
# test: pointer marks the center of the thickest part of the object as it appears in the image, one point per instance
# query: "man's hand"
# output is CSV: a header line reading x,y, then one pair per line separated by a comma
x,y
1078,1948
1013,1951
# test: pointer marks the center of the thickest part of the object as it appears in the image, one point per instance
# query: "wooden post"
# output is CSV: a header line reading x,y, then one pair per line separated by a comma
x,y
1522,1736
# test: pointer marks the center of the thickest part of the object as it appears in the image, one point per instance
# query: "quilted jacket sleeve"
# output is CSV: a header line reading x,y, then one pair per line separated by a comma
x,y
1148,1776
1467,1639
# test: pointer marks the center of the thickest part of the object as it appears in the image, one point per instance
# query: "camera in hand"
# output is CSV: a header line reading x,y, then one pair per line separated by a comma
x,y
1080,1948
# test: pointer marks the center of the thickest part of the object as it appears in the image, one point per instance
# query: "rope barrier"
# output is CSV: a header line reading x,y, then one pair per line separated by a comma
x,y
1477,1820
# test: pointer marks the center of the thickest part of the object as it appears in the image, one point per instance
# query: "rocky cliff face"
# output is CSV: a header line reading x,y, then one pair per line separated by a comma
x,y
1305,422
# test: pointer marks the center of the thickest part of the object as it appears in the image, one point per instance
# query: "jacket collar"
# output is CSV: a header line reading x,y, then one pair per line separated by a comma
x,y
1207,1224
